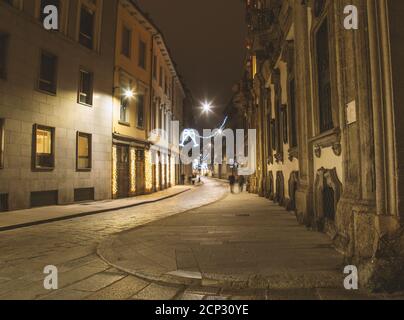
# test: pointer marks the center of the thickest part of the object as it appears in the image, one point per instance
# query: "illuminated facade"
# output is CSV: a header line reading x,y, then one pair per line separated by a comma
x,y
149,172
55,110
168,95
131,99
328,142
147,96
75,105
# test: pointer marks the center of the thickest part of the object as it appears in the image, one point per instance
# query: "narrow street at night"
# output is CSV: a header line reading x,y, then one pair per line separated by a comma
x,y
202,244
199,159
72,245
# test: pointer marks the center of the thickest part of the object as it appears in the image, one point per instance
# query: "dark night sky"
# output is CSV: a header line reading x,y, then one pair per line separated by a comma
x,y
206,39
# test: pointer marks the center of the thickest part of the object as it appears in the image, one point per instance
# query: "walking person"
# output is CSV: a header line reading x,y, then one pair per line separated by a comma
x,y
241,182
232,182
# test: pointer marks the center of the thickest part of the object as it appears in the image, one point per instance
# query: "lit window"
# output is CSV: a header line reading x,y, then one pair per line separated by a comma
x,y
86,88
44,152
47,75
83,151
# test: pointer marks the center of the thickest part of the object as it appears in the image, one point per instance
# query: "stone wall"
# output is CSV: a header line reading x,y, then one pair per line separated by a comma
x,y
22,106
349,177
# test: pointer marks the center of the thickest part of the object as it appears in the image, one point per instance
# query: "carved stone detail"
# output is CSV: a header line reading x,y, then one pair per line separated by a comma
x,y
317,151
328,188
293,184
337,148
280,188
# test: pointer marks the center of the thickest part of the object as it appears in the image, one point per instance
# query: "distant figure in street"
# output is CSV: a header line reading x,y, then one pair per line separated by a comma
x,y
232,182
183,179
241,182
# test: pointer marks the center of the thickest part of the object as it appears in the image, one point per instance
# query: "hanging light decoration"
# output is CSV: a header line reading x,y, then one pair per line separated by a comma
x,y
114,172
192,134
133,170
148,171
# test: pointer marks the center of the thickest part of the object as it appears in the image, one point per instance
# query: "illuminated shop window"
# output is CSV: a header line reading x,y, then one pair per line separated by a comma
x,y
83,151
44,147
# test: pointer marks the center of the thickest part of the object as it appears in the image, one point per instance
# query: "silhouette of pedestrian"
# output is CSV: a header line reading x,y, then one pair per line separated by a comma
x,y
241,182
232,182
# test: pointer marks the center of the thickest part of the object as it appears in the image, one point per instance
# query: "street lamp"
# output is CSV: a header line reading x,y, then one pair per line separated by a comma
x,y
128,93
206,107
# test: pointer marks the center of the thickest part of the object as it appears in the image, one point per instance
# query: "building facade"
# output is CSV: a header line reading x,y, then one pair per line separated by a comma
x,y
148,96
55,103
77,104
131,156
168,97
325,101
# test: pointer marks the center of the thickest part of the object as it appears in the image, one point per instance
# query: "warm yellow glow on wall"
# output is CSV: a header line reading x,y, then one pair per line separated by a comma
x,y
254,66
114,172
132,170
149,171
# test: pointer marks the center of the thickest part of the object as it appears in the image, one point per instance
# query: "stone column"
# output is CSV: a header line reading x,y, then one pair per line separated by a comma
x,y
380,266
304,194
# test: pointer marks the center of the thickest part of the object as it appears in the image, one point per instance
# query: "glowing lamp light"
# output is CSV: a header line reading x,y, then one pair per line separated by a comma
x,y
207,107
128,93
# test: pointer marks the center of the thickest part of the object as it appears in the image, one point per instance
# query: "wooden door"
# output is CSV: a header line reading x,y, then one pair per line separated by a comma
x,y
123,170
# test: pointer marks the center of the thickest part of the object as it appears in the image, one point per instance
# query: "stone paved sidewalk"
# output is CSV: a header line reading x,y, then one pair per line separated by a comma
x,y
23,218
241,246
71,245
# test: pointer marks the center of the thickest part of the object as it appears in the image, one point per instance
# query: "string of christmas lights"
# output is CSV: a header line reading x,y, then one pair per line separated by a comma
x,y
193,134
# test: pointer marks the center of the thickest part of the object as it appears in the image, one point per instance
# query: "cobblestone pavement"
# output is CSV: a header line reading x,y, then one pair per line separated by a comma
x,y
71,246
242,247
12,220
